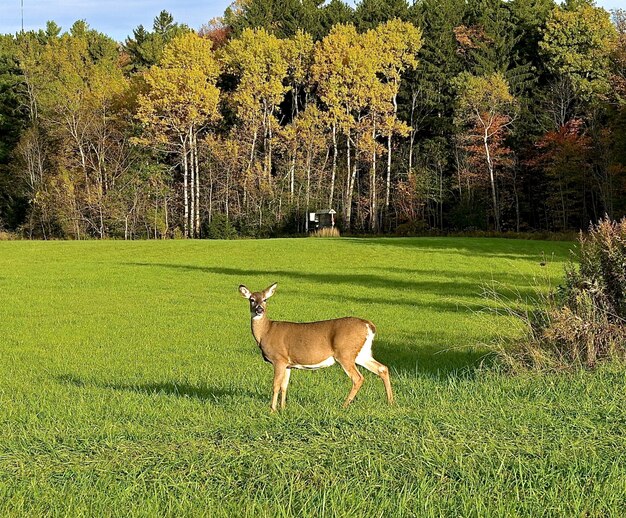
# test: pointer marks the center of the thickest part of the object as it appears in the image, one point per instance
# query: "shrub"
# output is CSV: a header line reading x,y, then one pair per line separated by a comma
x,y
411,228
584,321
220,227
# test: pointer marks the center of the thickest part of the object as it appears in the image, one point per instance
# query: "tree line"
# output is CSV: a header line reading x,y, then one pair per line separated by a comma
x,y
445,114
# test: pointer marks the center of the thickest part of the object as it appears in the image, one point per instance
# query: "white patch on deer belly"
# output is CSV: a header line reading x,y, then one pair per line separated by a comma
x,y
326,363
365,354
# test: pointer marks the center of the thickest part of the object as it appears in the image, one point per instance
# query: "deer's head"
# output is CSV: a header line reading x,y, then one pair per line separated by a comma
x,y
258,299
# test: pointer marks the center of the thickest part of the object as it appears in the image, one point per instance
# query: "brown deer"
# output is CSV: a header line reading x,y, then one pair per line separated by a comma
x,y
311,345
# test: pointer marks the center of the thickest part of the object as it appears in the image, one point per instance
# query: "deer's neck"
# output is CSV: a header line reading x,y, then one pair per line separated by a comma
x,y
260,326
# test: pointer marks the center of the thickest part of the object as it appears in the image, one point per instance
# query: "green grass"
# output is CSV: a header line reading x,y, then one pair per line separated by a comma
x,y
130,385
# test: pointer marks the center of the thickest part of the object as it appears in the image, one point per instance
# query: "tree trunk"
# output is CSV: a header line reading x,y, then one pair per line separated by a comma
x,y
440,169
352,179
347,205
494,197
195,154
292,176
373,209
334,169
308,190
167,221
388,187
185,190
192,175
413,132
517,215
254,137
227,195
269,150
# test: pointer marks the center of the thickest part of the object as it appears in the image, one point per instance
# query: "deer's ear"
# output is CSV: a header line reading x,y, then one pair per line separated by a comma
x,y
270,291
245,292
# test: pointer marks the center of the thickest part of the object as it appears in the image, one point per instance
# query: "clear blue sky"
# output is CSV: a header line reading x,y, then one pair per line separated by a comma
x,y
118,18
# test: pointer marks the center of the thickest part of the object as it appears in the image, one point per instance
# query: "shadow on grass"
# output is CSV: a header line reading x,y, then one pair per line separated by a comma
x,y
431,354
432,361
452,284
168,388
476,247
450,305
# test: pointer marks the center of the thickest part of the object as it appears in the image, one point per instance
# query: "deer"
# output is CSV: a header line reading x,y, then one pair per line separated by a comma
x,y
313,345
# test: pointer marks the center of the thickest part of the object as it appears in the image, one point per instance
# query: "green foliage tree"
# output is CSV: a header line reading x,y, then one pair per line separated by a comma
x,y
13,120
577,43
369,14
282,18
145,48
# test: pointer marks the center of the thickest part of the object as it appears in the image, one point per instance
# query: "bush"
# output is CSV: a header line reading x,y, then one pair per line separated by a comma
x,y
411,228
584,321
220,227
6,236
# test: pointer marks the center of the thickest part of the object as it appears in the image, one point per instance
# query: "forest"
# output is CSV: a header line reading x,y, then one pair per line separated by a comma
x,y
435,116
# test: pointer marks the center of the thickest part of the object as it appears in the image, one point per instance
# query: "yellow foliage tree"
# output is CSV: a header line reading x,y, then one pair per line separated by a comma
x,y
181,99
259,61
398,44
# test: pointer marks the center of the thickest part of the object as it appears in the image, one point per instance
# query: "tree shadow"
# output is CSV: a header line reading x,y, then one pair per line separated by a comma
x,y
450,305
417,354
201,392
449,286
475,246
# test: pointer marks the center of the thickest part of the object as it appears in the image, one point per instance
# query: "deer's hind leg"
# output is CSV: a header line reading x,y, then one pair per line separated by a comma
x,y
357,378
365,359
380,370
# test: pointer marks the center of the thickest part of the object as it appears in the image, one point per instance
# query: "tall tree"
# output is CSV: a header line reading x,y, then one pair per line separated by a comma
x,y
13,119
486,109
145,48
345,73
283,18
577,44
181,100
259,61
369,14
399,43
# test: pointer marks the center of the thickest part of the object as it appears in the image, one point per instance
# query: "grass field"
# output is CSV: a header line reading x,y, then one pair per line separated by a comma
x,y
130,385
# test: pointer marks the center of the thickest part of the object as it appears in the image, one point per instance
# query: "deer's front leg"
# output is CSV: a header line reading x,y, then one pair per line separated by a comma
x,y
283,389
280,370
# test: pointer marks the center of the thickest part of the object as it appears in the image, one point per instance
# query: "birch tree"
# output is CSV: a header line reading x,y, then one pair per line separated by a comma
x,y
485,110
180,102
259,61
344,70
399,42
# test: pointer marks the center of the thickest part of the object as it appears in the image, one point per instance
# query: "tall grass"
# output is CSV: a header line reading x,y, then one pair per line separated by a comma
x,y
326,232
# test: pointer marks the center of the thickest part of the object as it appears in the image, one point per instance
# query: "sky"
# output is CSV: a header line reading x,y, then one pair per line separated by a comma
x,y
118,18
